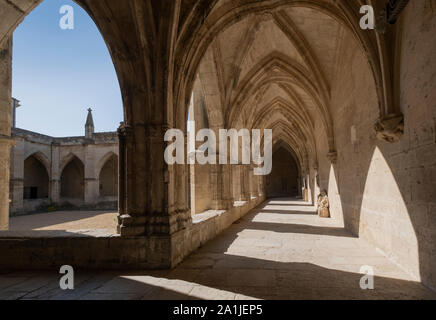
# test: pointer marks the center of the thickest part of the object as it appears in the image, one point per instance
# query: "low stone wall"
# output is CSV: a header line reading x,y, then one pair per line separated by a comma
x,y
188,240
102,250
34,205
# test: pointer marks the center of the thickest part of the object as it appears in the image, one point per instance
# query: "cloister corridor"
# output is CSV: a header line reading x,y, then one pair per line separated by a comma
x,y
281,250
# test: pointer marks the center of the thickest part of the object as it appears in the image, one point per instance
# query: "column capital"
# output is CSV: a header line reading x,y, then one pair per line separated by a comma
x,y
332,156
124,130
153,224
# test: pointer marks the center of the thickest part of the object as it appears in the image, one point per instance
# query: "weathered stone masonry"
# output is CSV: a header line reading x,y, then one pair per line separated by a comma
x,y
355,109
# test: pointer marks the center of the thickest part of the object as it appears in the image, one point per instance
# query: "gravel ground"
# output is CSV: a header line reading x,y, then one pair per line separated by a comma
x,y
65,220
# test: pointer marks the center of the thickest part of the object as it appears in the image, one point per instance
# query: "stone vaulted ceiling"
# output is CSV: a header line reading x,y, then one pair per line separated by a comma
x,y
274,70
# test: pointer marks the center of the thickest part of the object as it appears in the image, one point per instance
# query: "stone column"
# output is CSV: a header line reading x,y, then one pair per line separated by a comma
x,y
91,191
221,187
91,181
5,131
221,180
148,207
304,188
252,183
5,148
55,179
308,188
55,191
245,187
17,177
122,170
130,221
262,186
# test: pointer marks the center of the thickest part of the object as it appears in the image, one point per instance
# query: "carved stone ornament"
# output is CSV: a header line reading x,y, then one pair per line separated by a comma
x,y
390,129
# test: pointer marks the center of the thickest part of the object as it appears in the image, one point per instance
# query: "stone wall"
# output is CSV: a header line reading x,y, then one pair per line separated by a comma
x,y
387,191
201,188
57,156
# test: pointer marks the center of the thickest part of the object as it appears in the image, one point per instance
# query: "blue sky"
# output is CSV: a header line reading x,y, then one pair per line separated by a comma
x,y
58,74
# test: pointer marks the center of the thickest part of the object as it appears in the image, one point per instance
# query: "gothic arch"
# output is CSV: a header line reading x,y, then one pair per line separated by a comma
x,y
284,180
67,159
41,157
73,179
196,36
110,34
36,178
108,175
280,143
102,161
277,68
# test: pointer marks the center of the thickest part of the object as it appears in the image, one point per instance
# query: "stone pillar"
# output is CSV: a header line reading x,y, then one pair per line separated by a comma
x,y
55,179
16,195
305,190
5,131
245,187
5,148
122,170
252,183
91,191
261,186
91,181
221,180
17,177
149,210
55,191
221,187
129,221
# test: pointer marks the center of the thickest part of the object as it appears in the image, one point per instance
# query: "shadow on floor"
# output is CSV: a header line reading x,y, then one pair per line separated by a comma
x,y
298,228
275,211
211,273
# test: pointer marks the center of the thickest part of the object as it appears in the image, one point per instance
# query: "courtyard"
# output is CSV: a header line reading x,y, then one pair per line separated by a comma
x,y
66,221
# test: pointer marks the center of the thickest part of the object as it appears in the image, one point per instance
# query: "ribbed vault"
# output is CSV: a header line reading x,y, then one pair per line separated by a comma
x,y
270,65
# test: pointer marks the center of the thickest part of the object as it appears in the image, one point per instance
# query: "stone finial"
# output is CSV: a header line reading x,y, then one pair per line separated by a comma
x,y
89,125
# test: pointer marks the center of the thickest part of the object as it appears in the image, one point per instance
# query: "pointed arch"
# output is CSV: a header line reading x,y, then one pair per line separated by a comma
x,y
105,158
73,179
284,180
278,68
192,43
67,159
36,177
41,157
108,175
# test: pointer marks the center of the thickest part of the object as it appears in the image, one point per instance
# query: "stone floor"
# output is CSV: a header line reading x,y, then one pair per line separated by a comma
x,y
65,220
279,251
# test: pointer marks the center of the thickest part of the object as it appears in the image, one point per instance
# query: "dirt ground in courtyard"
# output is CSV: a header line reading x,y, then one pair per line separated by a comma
x,y
65,220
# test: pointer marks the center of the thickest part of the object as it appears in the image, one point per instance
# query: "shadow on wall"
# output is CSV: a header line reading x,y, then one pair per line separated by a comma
x,y
388,191
391,211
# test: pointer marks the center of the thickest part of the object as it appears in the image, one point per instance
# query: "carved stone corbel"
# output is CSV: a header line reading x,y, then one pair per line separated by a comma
x,y
390,129
332,156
